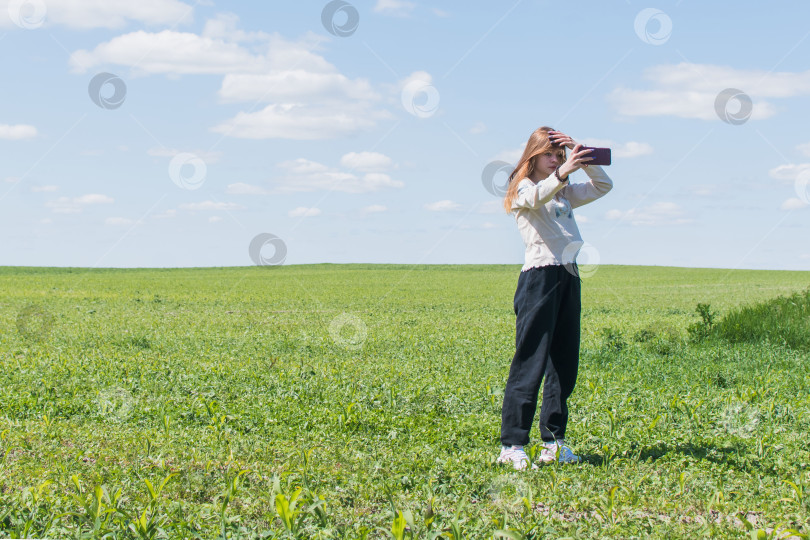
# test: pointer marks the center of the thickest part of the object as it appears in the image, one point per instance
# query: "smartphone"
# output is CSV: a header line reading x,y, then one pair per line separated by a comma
x,y
601,156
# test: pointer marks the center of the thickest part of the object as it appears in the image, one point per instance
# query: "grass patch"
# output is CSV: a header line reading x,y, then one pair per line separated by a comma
x,y
363,401
783,320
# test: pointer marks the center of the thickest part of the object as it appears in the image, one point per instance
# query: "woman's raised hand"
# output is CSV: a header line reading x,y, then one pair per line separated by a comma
x,y
559,138
579,158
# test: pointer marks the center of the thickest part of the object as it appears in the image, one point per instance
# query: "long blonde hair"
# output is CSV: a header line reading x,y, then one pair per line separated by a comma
x,y
538,144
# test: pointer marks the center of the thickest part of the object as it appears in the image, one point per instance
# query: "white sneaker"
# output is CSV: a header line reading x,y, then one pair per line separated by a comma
x,y
558,451
516,456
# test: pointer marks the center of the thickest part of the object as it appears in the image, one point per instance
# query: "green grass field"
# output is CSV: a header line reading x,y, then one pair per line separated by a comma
x,y
363,401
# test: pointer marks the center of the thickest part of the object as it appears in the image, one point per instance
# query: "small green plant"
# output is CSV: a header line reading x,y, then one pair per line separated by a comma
x,y
702,329
798,492
644,335
398,527
149,523
232,484
779,532
31,517
612,340
610,510
681,483
99,508
288,510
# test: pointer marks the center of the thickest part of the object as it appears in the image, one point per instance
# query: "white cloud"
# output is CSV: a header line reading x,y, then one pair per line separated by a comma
x,y
689,90
170,52
804,148
293,86
478,128
510,156
305,175
216,53
789,172
443,206
492,207
683,104
214,219
487,225
661,213
398,8
168,214
708,78
85,14
12,179
621,150
241,188
17,132
366,161
793,204
118,221
583,219
210,205
303,166
308,98
93,198
376,181
207,157
303,211
75,205
374,209
417,94
224,26
38,189
300,122
416,76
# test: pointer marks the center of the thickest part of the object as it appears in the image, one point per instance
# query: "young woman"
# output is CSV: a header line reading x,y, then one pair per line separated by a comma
x,y
547,300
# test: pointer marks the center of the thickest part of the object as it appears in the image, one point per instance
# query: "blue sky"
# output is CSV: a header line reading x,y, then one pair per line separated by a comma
x,y
168,133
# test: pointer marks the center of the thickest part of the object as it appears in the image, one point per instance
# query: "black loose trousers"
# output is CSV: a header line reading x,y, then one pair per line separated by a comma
x,y
547,332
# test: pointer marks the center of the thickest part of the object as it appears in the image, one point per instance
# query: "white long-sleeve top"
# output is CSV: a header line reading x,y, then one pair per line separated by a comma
x,y
545,217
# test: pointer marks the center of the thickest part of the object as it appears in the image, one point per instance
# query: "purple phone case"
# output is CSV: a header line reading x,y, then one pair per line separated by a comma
x,y
601,156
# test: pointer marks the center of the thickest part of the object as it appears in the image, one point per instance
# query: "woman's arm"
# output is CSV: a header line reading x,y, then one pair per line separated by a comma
x,y
599,184
531,195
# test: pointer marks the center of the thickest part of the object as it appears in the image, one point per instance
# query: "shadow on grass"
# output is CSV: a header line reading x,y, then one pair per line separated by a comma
x,y
736,456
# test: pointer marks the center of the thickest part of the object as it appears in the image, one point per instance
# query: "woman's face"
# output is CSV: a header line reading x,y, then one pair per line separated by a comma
x,y
546,162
